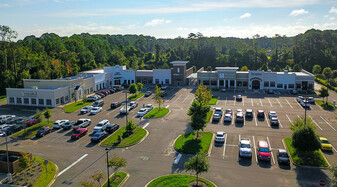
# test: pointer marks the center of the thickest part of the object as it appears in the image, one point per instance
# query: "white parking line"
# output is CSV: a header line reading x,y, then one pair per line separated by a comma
x,y
252,102
289,103
255,120
265,116
279,103
167,106
328,123
146,125
270,102
297,103
226,101
261,102
243,102
315,123
255,149
177,98
71,165
289,119
272,156
224,147
280,123
299,117
185,99
176,161
334,148
239,137
234,101
171,97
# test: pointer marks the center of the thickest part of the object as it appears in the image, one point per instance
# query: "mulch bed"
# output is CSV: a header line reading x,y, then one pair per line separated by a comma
x,y
26,177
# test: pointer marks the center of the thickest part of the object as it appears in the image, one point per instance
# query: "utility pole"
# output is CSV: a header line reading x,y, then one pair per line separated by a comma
x,y
9,177
107,164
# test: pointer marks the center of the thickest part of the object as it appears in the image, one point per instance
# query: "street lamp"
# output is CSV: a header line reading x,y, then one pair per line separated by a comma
x,y
126,107
107,164
9,177
305,115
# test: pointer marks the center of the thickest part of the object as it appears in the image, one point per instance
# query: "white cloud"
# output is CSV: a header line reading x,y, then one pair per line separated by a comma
x,y
245,15
156,22
333,10
182,29
4,5
298,12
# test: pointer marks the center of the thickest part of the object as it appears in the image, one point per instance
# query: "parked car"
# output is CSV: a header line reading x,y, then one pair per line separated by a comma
x,y
311,100
92,98
274,121
86,109
98,136
283,157
260,114
101,95
111,128
59,123
98,103
294,92
114,105
11,120
142,112
148,93
13,129
32,121
4,126
272,114
228,111
299,98
101,126
263,151
81,123
220,137
239,117
228,118
133,105
245,149
3,118
43,131
238,98
79,133
217,114
95,110
68,125
305,104
270,91
20,120
223,90
249,113
164,87
325,144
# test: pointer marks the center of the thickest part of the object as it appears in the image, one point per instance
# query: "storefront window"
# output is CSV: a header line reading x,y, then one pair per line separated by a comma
x,y
33,101
311,86
167,81
291,86
91,89
279,85
214,82
272,84
18,100
157,81
41,101
85,92
298,85
245,83
11,100
57,101
266,84
26,101
239,83
205,82
73,95
66,98
49,102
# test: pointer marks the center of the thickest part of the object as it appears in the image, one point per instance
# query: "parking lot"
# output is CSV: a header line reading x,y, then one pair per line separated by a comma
x,y
155,156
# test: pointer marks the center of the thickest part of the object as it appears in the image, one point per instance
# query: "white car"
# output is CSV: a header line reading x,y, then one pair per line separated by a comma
x,y
227,118
272,114
86,109
149,107
101,126
59,123
220,137
239,111
125,109
95,110
3,118
245,149
164,87
142,112
274,121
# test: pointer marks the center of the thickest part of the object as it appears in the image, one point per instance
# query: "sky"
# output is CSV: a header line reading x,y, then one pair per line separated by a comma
x,y
168,18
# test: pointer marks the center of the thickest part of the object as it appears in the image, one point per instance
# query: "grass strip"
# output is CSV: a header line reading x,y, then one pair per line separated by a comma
x,y
75,106
3,97
176,181
213,100
115,183
135,96
30,132
156,113
187,143
209,115
135,137
325,106
315,159
47,173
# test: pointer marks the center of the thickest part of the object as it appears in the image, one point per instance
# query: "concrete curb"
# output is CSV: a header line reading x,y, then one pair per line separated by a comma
x,y
137,98
122,182
140,141
161,116
304,166
178,174
55,176
208,152
210,147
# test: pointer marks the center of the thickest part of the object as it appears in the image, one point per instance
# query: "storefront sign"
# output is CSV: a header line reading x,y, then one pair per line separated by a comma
x,y
255,74
221,76
29,94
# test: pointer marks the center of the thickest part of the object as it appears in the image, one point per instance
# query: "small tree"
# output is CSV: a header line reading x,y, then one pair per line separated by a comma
x,y
85,99
198,112
305,140
97,176
47,114
198,164
38,116
297,123
194,69
264,67
133,88
324,93
116,163
139,86
327,72
24,161
202,94
130,127
158,98
244,68
296,68
277,68
316,69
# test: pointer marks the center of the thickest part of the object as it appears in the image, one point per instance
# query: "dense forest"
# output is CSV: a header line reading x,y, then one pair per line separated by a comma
x,y
51,56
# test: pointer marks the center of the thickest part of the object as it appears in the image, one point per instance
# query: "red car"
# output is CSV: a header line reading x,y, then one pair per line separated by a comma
x,y
264,151
32,121
79,133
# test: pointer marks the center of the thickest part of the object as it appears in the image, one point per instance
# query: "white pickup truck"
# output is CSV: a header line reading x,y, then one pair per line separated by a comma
x,y
81,123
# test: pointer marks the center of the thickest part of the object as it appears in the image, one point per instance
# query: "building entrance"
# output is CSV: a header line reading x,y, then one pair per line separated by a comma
x,y
256,84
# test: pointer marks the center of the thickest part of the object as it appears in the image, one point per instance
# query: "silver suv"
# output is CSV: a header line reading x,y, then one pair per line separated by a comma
x,y
245,149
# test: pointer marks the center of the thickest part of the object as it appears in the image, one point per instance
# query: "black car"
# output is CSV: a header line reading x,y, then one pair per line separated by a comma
x,y
13,129
98,136
68,125
43,131
11,120
112,90
111,128
238,98
148,93
163,93
20,120
283,157
115,105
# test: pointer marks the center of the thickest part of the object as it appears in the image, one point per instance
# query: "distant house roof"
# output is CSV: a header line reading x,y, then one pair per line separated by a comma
x,y
179,62
227,68
144,73
94,71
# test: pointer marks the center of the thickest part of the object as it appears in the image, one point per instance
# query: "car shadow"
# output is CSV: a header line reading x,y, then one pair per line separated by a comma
x,y
68,133
285,167
245,161
61,131
71,141
217,144
120,116
264,164
274,126
248,118
327,152
239,125
260,119
91,144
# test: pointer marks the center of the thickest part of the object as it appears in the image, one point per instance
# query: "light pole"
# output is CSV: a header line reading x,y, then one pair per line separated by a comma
x,y
9,177
305,115
126,107
107,164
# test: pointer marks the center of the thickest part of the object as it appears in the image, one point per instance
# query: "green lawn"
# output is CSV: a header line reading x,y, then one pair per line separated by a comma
x,y
316,159
213,100
75,106
31,131
3,97
325,106
137,135
47,173
121,175
187,143
135,96
176,181
155,113
209,115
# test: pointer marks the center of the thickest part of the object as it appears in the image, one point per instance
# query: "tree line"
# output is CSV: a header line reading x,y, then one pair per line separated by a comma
x,y
51,56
